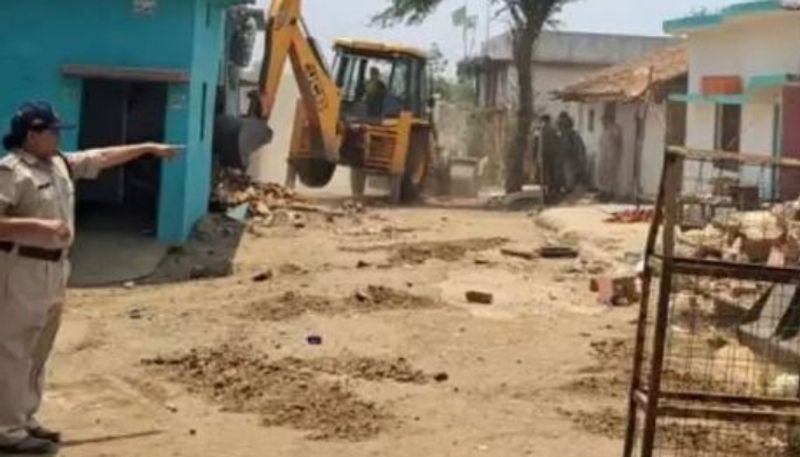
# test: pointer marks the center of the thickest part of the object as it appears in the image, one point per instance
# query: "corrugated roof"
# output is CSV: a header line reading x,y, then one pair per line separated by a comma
x,y
630,80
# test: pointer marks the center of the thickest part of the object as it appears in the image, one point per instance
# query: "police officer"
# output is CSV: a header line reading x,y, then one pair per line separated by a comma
x,y
36,231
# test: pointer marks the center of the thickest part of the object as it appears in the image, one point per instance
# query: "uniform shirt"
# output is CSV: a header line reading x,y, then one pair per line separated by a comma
x,y
42,189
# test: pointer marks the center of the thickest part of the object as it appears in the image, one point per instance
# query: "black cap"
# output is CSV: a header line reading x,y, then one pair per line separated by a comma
x,y
36,116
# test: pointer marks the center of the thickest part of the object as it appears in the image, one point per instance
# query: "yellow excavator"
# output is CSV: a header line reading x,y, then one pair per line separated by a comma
x,y
370,112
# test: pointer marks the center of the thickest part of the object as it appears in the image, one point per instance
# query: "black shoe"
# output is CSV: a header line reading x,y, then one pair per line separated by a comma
x,y
45,434
30,446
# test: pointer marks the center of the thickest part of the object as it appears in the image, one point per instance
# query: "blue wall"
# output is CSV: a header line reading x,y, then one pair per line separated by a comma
x,y
39,36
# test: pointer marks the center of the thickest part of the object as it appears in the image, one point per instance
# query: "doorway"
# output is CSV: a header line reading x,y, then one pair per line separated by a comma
x,y
790,178
117,113
117,214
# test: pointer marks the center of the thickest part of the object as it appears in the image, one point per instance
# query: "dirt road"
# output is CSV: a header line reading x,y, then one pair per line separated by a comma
x,y
356,340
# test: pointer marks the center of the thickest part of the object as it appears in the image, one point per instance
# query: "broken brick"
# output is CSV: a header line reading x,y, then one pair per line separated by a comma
x,y
615,291
262,277
527,255
558,252
482,298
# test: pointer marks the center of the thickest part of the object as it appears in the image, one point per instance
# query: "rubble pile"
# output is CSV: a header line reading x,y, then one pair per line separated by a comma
x,y
285,392
314,395
763,237
233,188
371,299
447,251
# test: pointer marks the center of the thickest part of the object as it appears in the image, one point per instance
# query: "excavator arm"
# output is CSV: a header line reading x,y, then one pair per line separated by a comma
x,y
287,38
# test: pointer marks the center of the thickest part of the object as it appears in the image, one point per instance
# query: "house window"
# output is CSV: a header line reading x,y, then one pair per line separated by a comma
x,y
591,120
727,136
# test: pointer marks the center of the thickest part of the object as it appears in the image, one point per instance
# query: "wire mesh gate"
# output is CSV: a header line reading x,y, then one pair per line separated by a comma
x,y
717,361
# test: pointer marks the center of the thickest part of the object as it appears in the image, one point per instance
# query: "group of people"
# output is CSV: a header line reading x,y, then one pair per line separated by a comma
x,y
564,160
562,155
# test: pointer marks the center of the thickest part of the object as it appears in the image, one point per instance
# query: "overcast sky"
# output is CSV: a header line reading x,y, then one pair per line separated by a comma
x,y
329,19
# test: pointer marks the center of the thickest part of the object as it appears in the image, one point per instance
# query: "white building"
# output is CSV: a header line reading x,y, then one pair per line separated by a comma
x,y
636,95
560,58
744,85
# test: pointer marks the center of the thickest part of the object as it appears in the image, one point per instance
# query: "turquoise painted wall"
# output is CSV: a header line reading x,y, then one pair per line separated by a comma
x,y
177,34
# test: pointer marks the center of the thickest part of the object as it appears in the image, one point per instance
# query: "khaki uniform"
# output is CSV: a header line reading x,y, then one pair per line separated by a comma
x,y
32,291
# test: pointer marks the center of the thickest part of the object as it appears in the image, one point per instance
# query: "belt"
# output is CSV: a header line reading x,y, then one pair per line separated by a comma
x,y
48,255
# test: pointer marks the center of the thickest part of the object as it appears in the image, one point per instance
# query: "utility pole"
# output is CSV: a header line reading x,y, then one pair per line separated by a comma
x,y
488,24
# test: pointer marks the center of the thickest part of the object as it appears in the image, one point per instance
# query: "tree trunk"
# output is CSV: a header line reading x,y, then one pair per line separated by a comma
x,y
523,59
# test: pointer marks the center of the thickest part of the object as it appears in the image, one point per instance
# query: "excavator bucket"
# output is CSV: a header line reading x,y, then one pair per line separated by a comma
x,y
236,139
307,155
314,172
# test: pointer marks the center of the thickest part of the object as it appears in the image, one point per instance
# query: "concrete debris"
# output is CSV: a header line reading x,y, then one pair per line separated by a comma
x,y
291,269
615,291
353,207
481,298
418,253
239,212
263,276
233,188
527,255
763,237
585,266
558,252
298,221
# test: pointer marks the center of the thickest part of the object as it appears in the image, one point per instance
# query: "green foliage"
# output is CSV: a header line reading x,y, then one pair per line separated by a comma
x,y
454,91
405,11
522,12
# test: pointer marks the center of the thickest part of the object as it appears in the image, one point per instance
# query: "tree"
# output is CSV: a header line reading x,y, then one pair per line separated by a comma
x,y
528,18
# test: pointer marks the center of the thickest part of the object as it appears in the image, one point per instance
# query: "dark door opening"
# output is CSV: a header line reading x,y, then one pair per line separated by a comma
x,y
116,113
790,178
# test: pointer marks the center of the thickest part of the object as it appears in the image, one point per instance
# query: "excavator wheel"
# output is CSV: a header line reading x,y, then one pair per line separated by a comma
x,y
408,188
314,172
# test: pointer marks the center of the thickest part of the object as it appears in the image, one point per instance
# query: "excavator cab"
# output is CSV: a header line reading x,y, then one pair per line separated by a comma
x,y
378,81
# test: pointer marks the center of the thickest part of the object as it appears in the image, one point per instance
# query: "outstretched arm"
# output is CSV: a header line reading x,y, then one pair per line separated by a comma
x,y
88,164
120,155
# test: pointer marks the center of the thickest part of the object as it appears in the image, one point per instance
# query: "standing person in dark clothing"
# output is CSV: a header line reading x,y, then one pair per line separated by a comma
x,y
572,152
549,151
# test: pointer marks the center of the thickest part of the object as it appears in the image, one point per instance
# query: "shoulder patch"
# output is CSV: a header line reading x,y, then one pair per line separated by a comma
x,y
9,162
